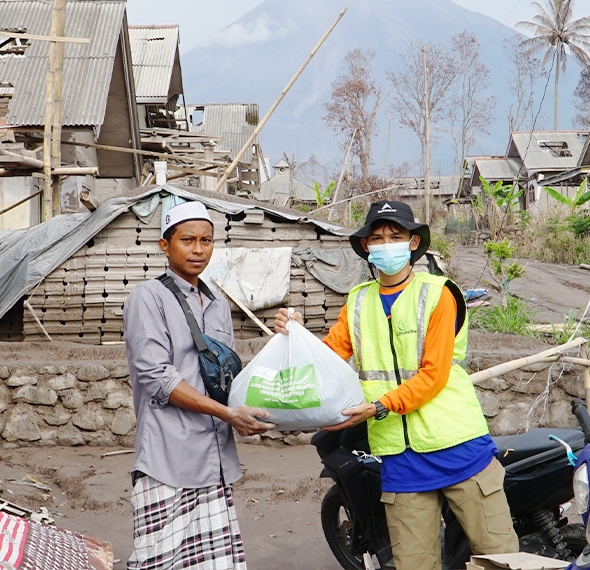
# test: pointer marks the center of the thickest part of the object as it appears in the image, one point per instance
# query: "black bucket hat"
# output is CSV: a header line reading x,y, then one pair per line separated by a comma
x,y
399,213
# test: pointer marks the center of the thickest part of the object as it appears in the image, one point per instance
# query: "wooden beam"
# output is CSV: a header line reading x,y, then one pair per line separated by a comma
x,y
5,34
20,202
161,155
28,306
243,307
89,200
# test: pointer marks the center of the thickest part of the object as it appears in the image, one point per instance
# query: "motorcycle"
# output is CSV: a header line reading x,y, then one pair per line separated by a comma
x,y
581,484
539,479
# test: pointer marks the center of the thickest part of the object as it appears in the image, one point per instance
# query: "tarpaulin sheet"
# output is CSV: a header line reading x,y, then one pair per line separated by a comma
x,y
28,256
339,269
259,278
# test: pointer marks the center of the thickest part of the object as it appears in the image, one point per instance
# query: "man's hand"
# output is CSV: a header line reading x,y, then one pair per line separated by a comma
x,y
281,320
245,420
360,414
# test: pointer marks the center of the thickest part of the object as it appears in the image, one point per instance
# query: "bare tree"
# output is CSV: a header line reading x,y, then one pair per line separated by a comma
x,y
356,98
553,30
312,170
582,103
471,109
408,88
521,81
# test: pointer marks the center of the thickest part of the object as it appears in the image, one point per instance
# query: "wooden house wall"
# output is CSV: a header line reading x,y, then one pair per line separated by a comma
x,y
83,299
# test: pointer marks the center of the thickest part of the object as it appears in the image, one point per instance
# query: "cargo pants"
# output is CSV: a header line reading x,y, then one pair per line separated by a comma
x,y
480,505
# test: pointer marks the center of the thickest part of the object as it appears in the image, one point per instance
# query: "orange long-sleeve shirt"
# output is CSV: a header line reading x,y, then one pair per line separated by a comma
x,y
436,363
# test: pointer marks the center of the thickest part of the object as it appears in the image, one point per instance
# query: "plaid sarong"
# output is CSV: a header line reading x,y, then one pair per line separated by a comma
x,y
184,528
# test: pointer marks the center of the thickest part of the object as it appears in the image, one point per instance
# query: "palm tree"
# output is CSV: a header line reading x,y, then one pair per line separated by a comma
x,y
554,29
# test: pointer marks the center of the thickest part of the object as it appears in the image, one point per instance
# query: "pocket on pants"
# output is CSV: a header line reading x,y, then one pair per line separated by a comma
x,y
388,499
494,502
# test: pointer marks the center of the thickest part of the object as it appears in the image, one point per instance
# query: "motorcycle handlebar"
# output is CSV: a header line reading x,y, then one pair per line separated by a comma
x,y
580,410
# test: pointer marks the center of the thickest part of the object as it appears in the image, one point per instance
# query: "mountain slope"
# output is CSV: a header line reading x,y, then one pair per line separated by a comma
x,y
253,59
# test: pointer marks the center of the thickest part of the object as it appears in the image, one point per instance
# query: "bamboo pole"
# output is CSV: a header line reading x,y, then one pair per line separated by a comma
x,y
570,359
57,30
59,8
243,307
46,205
506,367
253,136
25,160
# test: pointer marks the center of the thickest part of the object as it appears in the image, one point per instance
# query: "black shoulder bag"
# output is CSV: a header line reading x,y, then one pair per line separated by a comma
x,y
219,363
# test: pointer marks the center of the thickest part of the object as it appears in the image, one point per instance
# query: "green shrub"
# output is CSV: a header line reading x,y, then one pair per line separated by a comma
x,y
579,224
512,319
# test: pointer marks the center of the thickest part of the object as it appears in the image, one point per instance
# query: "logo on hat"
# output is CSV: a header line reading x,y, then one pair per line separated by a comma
x,y
386,209
167,218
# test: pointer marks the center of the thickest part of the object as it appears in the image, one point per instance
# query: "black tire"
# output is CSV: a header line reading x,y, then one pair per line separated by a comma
x,y
337,523
574,535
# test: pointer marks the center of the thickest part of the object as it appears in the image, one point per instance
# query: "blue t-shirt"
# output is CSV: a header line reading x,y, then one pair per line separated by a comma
x,y
412,472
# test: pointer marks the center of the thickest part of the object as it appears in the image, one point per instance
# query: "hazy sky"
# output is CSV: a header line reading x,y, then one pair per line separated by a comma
x,y
200,19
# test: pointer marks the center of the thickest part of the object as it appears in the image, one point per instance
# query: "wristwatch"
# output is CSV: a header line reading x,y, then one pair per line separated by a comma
x,y
382,411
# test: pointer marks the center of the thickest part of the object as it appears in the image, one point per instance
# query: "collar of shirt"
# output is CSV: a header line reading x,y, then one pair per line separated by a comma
x,y
188,288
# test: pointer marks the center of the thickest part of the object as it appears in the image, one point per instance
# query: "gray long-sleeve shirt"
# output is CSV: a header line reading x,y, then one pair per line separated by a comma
x,y
175,446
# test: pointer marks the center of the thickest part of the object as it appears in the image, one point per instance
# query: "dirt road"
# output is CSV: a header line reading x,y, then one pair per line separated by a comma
x,y
278,500
551,289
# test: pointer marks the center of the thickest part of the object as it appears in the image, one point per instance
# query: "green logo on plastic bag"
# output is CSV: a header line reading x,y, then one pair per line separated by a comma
x,y
295,388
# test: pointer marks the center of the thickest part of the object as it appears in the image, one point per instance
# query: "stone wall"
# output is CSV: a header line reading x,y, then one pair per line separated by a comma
x,y
71,394
66,404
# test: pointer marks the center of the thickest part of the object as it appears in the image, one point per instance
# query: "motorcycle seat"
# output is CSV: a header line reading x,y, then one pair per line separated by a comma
x,y
513,448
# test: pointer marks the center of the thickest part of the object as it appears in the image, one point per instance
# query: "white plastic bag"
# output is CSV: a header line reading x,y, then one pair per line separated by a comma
x,y
299,380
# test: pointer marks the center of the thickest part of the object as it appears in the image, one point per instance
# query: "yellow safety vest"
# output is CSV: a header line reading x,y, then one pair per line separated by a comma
x,y
389,351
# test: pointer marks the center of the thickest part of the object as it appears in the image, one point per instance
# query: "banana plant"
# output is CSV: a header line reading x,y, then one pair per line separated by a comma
x,y
322,196
581,197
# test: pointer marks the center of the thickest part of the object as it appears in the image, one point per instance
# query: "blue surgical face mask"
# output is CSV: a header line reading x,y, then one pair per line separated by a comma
x,y
390,258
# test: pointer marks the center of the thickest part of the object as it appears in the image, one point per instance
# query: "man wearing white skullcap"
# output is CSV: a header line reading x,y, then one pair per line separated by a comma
x,y
185,454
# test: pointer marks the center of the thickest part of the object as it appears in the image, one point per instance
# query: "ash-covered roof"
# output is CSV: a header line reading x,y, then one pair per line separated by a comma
x,y
87,68
494,169
547,150
154,53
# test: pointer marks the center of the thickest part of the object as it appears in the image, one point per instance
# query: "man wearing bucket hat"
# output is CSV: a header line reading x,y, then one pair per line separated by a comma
x,y
408,334
185,454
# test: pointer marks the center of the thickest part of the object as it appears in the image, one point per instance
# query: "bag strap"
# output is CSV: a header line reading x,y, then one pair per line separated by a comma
x,y
168,282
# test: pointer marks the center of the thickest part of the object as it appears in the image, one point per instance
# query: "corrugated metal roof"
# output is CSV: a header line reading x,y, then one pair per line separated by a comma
x,y
233,122
494,169
533,149
153,51
87,67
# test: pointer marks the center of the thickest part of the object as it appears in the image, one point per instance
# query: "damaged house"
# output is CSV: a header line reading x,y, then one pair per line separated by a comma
x,y
533,160
98,105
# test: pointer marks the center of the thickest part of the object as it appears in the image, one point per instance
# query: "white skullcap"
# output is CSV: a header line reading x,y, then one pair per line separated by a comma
x,y
192,210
